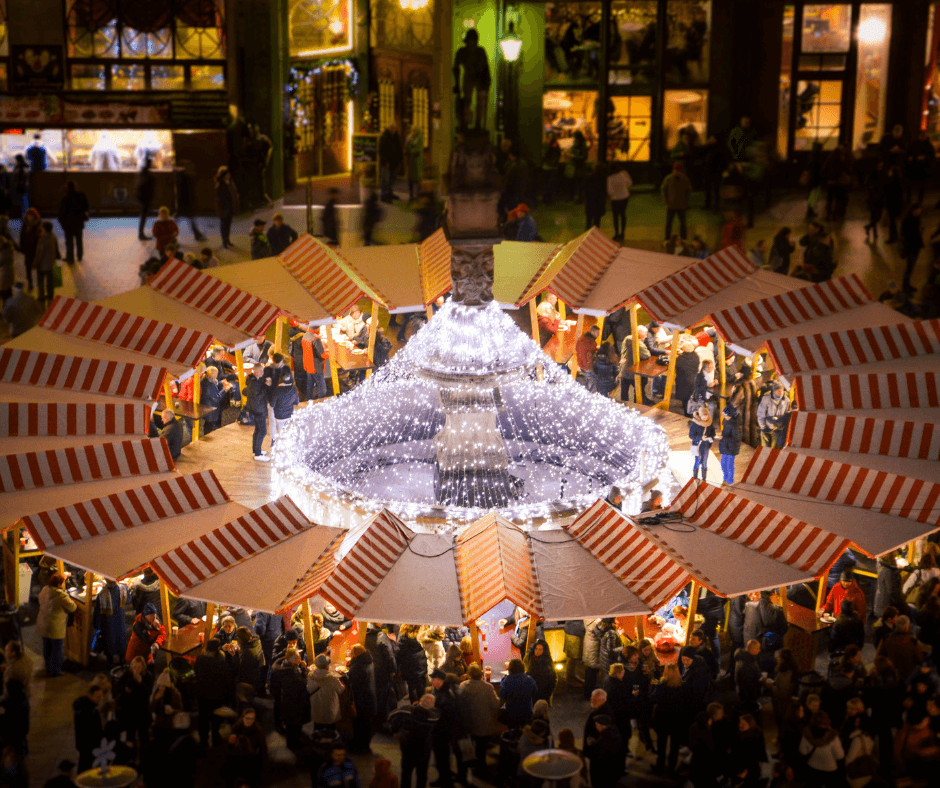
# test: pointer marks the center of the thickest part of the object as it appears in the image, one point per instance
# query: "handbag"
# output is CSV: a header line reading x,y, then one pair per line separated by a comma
x,y
863,766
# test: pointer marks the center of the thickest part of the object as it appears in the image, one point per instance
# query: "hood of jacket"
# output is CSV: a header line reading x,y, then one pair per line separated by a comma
x,y
819,738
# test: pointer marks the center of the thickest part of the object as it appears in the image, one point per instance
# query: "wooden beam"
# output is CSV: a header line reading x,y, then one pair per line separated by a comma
x,y
600,331
430,312
475,642
167,391
279,335
88,604
373,332
693,609
308,629
562,309
534,318
334,355
579,328
197,395
208,628
722,380
240,370
670,373
165,607
530,635
635,342
821,591
640,629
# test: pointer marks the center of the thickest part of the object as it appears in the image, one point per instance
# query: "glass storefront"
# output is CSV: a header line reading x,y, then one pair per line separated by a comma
x,y
94,150
871,80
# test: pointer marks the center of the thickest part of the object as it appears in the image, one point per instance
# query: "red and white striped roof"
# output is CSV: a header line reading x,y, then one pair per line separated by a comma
x,y
915,440
863,345
42,419
778,312
313,579
89,375
574,271
224,302
326,275
669,298
130,332
366,555
127,509
640,562
34,470
772,533
434,254
874,391
230,544
494,563
847,485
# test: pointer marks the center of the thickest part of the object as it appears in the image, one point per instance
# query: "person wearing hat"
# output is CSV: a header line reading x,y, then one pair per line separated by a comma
x,y
280,235
702,434
215,688
260,245
527,228
696,679
604,750
147,635
846,588
324,689
730,444
535,736
448,731
773,416
676,191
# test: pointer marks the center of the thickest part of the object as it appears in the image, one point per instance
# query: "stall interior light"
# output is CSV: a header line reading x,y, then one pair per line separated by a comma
x,y
413,5
350,130
511,44
872,31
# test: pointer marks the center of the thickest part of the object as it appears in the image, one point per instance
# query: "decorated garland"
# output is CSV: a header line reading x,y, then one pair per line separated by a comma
x,y
301,72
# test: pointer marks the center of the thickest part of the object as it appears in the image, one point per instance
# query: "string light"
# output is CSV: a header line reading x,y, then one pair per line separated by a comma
x,y
469,417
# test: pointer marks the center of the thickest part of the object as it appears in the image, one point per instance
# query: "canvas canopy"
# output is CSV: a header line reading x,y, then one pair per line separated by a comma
x,y
515,264
395,271
434,254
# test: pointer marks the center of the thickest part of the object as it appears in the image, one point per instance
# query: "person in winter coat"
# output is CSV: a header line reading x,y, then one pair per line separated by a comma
x,y
595,196
247,749
605,752
73,213
147,635
635,703
165,230
215,687
848,628
606,369
480,704
747,673
413,726
89,725
268,627
894,201
324,689
449,729
391,154
781,251
414,148
412,661
729,446
454,662
226,201
670,719
846,588
248,659
380,646
47,252
696,679
823,750
540,667
289,687
902,648
212,392
258,241
257,406
54,608
361,680
340,772
132,702
280,235
6,264
773,416
518,692
109,617
676,191
30,230
702,435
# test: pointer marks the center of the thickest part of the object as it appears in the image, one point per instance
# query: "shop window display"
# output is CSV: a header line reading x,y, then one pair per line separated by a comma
x,y
167,78
104,150
51,139
403,26
319,27
569,113
87,76
572,42
629,128
819,113
632,43
871,81
688,41
825,38
685,114
127,78
207,78
931,100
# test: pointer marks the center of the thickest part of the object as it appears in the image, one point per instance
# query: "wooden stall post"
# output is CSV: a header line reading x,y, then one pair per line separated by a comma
x,y
784,600
600,330
534,317
821,592
530,635
240,369
722,380
579,328
475,642
754,359
693,608
334,360
279,335
670,373
11,585
308,629
197,396
165,608
207,627
635,343
640,628
373,332
167,392
562,310
88,604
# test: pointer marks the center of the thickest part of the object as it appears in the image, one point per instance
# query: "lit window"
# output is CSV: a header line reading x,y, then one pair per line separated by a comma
x,y
827,31
685,112
127,77
572,42
871,82
87,77
818,114
688,34
319,27
167,78
207,78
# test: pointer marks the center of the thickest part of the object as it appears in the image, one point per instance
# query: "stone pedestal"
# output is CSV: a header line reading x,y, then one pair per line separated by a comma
x,y
474,189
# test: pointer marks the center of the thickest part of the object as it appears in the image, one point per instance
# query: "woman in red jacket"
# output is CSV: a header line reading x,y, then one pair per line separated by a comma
x,y
147,632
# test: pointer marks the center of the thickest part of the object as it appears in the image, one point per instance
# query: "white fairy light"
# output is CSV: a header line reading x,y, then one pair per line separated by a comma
x,y
469,417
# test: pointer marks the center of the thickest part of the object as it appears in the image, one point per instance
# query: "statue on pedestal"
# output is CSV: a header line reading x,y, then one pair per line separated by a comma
x,y
476,81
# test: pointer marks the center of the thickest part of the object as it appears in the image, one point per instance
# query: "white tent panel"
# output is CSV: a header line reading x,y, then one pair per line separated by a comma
x,y
269,280
632,271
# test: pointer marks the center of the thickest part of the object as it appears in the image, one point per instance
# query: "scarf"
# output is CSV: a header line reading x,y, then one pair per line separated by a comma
x,y
106,598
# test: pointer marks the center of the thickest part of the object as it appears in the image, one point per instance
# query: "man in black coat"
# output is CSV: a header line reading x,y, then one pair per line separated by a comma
x,y
172,430
257,405
215,686
143,191
413,726
448,731
361,681
380,646
695,678
89,728
391,155
268,627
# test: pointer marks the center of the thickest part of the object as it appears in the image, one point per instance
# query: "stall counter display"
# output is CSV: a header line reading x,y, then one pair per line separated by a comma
x,y
118,150
13,143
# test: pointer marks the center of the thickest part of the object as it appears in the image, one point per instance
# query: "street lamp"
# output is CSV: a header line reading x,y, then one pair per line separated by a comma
x,y
511,44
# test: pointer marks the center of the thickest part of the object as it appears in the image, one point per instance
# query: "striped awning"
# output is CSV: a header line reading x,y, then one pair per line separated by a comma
x,y
628,551
671,297
44,419
494,563
327,276
915,440
434,254
763,317
230,544
574,271
367,553
35,470
198,290
873,391
163,341
863,345
74,374
123,510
